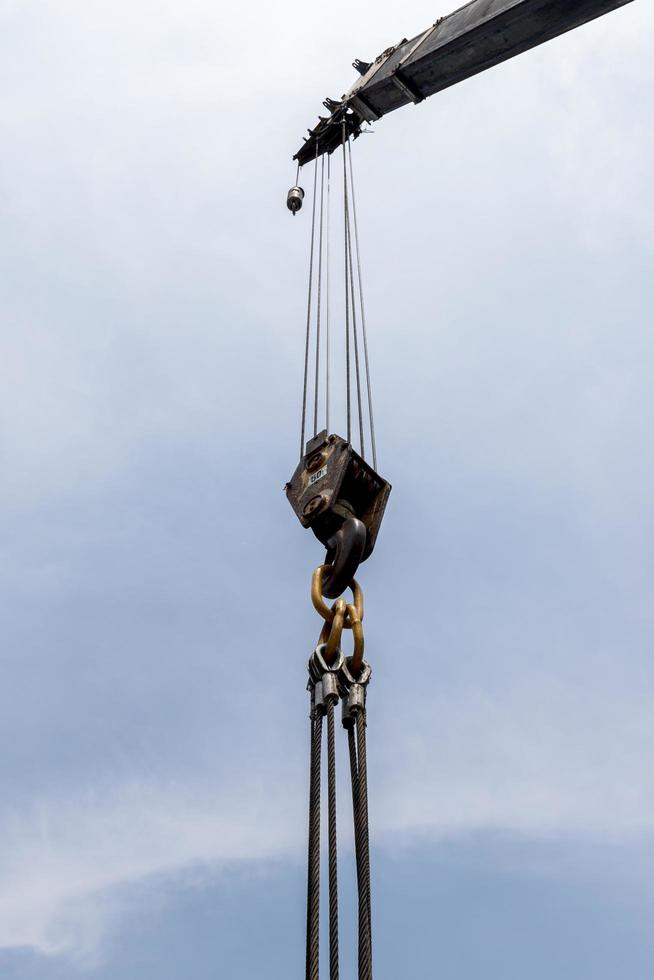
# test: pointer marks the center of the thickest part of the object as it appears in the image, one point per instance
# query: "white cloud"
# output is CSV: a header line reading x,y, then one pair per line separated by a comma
x,y
538,758
63,861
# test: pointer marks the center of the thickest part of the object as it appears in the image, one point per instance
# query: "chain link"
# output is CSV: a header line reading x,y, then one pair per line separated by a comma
x,y
340,616
321,606
331,633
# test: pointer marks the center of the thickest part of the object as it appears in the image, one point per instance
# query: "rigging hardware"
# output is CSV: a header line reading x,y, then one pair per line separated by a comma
x,y
337,494
333,677
294,199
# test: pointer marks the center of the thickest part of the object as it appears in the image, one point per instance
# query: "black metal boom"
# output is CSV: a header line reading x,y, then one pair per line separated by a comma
x,y
475,37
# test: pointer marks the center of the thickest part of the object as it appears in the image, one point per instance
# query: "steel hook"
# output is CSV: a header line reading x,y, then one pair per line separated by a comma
x,y
344,553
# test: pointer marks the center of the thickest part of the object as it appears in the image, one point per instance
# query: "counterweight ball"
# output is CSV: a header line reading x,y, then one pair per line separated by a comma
x,y
294,199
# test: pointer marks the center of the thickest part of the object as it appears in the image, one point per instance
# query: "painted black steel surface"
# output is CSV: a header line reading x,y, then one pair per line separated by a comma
x,y
478,36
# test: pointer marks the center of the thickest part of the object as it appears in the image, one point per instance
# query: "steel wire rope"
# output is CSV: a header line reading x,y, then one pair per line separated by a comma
x,y
347,305
327,310
308,333
354,778
363,312
319,296
333,846
365,910
362,909
349,271
313,876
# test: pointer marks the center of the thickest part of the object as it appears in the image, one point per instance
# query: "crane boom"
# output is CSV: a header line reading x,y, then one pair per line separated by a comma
x,y
477,36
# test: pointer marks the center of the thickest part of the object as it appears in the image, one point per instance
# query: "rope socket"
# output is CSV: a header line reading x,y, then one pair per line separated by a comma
x,y
352,705
324,693
354,688
323,684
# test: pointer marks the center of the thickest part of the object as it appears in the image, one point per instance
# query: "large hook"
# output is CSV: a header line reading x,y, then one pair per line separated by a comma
x,y
344,553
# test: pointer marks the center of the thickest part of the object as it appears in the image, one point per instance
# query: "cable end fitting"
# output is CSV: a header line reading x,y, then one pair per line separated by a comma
x,y
355,689
353,704
324,694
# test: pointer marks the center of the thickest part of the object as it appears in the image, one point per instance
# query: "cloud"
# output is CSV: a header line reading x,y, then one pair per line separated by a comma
x,y
539,759
455,767
64,862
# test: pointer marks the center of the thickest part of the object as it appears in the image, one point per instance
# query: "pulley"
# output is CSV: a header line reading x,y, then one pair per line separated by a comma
x,y
336,493
294,199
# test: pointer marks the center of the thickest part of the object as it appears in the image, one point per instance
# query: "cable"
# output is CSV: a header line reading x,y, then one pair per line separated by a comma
x,y
313,876
365,917
306,346
347,298
327,312
363,313
359,778
319,302
348,238
351,325
333,851
354,778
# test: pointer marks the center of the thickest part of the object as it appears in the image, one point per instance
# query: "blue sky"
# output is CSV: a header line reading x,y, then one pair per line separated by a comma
x,y
155,609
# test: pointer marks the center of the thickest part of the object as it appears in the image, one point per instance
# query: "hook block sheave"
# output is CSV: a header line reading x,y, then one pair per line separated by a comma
x,y
332,485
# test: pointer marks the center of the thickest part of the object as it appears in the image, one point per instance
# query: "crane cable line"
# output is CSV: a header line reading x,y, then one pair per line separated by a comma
x,y
332,845
349,287
317,346
327,307
364,332
308,330
313,875
348,393
319,303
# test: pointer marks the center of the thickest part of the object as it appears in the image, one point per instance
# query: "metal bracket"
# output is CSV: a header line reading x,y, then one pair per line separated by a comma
x,y
372,71
363,67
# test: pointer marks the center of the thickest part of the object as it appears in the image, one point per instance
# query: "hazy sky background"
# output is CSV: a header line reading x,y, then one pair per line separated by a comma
x,y
155,611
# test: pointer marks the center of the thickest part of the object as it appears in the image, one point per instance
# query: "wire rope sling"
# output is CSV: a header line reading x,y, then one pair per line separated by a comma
x,y
337,492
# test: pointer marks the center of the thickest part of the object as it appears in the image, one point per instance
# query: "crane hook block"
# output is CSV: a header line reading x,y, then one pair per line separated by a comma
x,y
294,199
332,485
